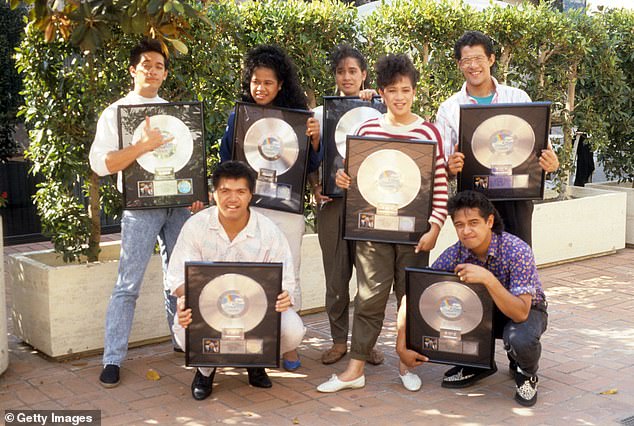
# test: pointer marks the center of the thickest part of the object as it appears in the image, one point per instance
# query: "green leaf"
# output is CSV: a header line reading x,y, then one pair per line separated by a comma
x,y
154,6
178,45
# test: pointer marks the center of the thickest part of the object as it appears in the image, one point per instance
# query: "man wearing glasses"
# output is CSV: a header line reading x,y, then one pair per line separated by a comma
x,y
475,58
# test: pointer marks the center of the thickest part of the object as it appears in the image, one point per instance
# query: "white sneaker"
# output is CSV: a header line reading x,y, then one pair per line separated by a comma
x,y
334,384
411,381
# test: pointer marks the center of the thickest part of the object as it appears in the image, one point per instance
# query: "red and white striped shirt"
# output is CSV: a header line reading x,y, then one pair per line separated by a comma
x,y
419,129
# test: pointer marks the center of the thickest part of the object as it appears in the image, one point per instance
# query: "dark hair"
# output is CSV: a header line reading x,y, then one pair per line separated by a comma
x,y
476,200
146,45
344,51
390,67
473,38
291,95
233,170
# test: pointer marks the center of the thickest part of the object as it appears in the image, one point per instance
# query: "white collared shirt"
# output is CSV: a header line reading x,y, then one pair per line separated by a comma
x,y
204,239
107,134
448,116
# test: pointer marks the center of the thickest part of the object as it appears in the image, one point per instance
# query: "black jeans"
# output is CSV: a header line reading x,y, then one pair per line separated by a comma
x,y
522,340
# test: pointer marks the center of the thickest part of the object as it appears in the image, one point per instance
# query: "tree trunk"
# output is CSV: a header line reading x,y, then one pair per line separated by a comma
x,y
424,88
94,212
94,207
505,60
568,128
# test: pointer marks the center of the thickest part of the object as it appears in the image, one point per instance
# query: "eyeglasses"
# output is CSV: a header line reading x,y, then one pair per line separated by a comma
x,y
477,60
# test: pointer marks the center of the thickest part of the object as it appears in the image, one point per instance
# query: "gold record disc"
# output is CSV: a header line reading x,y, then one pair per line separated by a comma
x,y
271,143
503,140
350,122
389,177
451,305
232,301
174,154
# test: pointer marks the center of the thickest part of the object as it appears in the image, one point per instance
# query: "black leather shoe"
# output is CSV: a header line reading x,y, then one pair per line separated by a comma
x,y
109,376
258,378
202,386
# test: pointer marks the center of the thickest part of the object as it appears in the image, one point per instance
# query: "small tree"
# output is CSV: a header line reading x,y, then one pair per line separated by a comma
x,y
617,96
77,31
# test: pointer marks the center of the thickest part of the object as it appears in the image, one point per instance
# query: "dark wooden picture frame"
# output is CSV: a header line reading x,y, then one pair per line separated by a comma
x,y
278,191
335,110
385,222
174,175
442,341
502,144
252,334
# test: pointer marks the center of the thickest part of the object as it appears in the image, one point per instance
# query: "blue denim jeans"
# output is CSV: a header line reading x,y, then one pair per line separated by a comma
x,y
139,232
522,341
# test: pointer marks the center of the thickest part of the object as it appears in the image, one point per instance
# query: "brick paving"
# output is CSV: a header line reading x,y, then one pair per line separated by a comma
x,y
588,349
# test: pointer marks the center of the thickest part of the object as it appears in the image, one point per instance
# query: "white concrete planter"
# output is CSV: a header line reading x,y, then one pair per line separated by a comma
x,y
60,308
590,224
627,188
4,342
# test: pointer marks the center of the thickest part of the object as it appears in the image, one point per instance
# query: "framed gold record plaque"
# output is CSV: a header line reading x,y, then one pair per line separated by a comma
x,y
273,142
448,321
234,322
389,199
502,144
175,173
342,117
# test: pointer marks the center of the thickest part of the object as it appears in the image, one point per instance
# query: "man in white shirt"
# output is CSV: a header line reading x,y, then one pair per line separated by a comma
x,y
139,228
475,58
231,232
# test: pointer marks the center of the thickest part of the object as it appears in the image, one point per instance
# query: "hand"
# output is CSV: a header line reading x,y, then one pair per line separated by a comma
x,y
320,199
152,138
455,163
184,315
196,207
428,241
283,301
474,274
312,130
367,94
342,179
548,160
411,358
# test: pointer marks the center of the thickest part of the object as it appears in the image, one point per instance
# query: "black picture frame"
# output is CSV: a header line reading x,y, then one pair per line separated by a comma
x,y
273,190
150,182
233,346
511,135
440,296
335,109
388,222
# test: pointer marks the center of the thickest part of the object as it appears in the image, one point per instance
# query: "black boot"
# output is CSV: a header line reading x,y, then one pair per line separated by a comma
x,y
201,385
258,378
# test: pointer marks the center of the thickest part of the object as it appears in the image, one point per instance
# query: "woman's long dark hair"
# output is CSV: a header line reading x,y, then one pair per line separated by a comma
x,y
291,95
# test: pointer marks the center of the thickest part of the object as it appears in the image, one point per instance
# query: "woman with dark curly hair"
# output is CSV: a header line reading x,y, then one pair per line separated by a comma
x,y
270,78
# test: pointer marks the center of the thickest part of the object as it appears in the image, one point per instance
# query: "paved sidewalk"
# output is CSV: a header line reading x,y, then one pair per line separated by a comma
x,y
588,349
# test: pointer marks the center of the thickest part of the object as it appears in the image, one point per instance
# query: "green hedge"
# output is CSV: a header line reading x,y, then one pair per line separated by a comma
x,y
10,82
548,53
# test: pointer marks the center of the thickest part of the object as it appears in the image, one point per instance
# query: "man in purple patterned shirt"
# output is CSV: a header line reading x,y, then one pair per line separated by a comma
x,y
505,265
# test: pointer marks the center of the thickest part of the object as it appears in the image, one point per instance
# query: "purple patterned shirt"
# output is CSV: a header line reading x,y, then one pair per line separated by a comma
x,y
509,258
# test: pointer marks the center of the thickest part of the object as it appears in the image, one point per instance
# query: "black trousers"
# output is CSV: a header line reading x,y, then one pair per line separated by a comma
x,y
517,217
